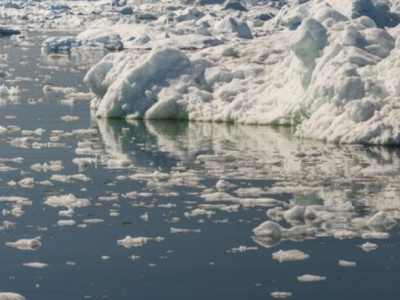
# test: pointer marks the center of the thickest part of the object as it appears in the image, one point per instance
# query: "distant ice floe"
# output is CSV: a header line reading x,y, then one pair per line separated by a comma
x,y
281,295
310,278
129,242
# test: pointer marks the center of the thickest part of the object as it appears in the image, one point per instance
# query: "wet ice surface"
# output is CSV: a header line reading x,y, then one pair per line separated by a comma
x,y
116,209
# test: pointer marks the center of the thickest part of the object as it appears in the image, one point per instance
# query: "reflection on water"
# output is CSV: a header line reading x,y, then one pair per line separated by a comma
x,y
118,209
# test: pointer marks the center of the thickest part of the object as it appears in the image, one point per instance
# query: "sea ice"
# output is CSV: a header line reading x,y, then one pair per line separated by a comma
x,y
281,295
11,296
325,67
310,278
26,244
289,255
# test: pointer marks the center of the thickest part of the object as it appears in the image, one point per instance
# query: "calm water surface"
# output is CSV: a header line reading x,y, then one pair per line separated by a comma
x,y
143,179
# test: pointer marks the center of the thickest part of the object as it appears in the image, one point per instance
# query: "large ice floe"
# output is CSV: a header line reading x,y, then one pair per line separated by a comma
x,y
327,67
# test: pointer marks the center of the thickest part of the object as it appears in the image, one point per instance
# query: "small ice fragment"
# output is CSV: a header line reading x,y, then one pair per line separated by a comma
x,y
345,263
290,255
223,185
375,235
37,265
69,201
66,222
26,244
145,217
181,230
369,246
344,234
310,278
69,118
93,221
129,241
27,182
66,213
243,249
281,295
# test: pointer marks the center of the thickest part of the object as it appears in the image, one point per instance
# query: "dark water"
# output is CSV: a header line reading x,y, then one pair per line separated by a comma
x,y
85,262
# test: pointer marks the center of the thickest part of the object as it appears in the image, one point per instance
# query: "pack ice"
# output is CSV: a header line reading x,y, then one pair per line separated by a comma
x,y
330,68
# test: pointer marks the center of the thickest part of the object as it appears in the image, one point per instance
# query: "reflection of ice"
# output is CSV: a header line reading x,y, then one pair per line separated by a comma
x,y
340,191
336,174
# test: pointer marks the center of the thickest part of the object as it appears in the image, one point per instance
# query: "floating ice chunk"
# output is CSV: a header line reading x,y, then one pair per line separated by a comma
x,y
66,222
27,182
66,213
37,265
69,201
26,244
134,257
12,91
17,199
218,196
281,295
243,249
145,217
367,247
199,212
84,162
345,263
270,233
269,229
11,296
223,185
296,213
251,202
275,214
310,278
375,235
93,221
250,192
344,234
183,230
129,241
381,220
290,255
69,118
114,163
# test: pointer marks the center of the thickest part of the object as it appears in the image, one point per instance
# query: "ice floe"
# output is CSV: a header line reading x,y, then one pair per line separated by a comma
x,y
25,244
